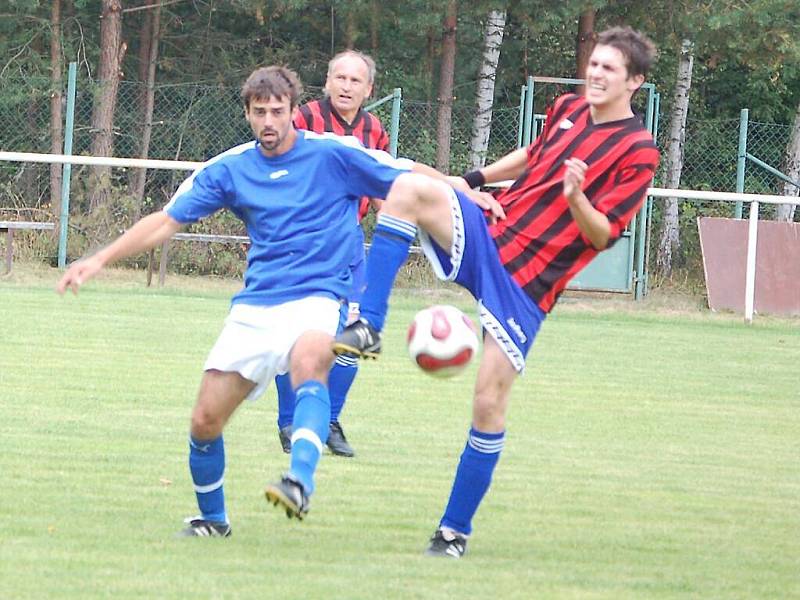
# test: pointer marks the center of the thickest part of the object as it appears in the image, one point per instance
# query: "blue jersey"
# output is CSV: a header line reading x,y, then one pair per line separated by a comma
x,y
299,209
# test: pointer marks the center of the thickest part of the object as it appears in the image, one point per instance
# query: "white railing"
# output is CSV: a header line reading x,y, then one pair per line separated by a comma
x,y
753,199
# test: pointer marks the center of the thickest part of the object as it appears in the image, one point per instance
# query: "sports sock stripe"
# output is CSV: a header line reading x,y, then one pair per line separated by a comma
x,y
205,489
486,446
307,434
346,361
404,228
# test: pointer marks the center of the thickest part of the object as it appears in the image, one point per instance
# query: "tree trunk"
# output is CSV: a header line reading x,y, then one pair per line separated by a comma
x,y
791,168
147,109
584,44
374,25
56,122
350,29
112,49
444,119
482,124
670,232
143,65
145,35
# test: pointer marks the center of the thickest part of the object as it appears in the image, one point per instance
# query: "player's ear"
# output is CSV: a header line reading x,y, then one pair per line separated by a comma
x,y
635,82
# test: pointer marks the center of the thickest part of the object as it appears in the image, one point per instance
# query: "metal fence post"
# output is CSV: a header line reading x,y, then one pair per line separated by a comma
x,y
741,158
521,127
394,128
67,171
639,228
527,132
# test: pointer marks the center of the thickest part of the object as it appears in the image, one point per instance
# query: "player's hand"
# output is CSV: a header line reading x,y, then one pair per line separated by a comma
x,y
574,177
79,273
458,183
488,203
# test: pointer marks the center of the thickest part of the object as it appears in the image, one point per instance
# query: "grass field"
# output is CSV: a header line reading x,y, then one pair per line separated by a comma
x,y
650,454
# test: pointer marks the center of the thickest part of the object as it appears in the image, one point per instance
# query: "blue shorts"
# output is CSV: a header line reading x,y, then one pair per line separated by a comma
x,y
358,284
506,312
358,271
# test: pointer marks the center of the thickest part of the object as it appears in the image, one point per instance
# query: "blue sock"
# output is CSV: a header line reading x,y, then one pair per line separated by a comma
x,y
286,400
207,465
312,416
388,252
473,476
343,373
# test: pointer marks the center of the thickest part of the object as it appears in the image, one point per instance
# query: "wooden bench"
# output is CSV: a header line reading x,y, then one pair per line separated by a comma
x,y
187,237
205,238
10,226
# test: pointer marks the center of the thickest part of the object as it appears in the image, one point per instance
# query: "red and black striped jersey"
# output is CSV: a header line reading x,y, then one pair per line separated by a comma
x,y
320,116
539,242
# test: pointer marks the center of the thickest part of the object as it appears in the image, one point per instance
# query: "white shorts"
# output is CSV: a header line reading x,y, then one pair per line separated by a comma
x,y
256,340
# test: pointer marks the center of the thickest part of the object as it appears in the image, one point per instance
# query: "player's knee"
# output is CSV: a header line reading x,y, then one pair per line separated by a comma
x,y
206,425
489,410
407,192
310,364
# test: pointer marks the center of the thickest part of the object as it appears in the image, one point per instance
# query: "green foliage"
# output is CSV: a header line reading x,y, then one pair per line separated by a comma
x,y
747,55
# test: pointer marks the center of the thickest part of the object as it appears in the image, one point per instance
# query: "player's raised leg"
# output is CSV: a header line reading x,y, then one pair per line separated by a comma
x,y
414,200
220,394
310,363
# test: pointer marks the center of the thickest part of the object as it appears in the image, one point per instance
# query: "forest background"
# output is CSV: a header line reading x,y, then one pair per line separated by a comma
x,y
160,79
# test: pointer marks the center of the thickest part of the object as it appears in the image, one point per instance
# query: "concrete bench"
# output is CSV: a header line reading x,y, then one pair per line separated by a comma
x,y
10,226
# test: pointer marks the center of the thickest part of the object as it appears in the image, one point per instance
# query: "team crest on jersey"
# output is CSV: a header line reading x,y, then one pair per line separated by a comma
x,y
278,174
565,124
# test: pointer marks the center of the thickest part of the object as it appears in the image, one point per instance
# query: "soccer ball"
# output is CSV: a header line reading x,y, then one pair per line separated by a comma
x,y
442,340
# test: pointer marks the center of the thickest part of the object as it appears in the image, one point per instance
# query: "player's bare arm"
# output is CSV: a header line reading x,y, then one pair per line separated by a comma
x,y
510,166
147,233
592,223
486,201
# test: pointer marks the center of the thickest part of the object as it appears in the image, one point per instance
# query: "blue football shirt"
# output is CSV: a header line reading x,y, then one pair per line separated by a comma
x,y
299,209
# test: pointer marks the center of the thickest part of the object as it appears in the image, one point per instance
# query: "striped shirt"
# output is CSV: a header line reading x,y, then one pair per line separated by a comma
x,y
539,242
320,116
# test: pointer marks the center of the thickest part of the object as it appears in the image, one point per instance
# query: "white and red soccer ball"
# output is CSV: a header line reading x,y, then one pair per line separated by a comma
x,y
442,340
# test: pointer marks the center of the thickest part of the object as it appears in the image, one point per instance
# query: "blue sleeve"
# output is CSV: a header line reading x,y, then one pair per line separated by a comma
x,y
202,194
371,172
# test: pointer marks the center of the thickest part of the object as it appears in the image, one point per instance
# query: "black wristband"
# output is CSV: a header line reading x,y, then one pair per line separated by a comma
x,y
474,179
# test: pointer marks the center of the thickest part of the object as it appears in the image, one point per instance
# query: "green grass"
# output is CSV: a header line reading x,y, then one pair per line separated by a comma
x,y
649,455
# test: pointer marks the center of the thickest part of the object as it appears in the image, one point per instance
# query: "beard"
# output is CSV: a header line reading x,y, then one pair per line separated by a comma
x,y
272,142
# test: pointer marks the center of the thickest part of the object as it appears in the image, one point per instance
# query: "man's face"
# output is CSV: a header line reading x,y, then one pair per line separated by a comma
x,y
348,85
271,122
607,80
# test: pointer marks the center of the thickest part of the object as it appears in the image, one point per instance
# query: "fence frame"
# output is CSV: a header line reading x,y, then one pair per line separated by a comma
x,y
394,126
743,156
755,200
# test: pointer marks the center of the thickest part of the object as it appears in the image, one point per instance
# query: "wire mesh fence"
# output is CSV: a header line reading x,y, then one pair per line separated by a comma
x,y
197,121
418,130
767,142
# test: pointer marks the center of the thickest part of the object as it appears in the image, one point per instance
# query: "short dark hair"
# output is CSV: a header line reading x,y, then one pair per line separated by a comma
x,y
272,82
638,50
